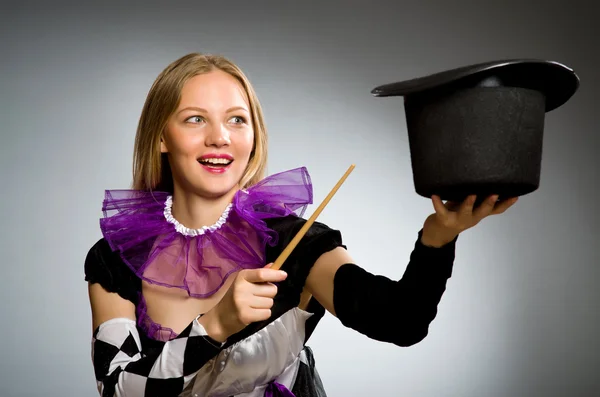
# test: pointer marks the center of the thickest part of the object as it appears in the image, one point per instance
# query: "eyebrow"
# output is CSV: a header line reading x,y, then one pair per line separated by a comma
x,y
231,109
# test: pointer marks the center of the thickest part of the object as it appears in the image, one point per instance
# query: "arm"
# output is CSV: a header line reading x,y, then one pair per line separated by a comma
x,y
397,312
122,365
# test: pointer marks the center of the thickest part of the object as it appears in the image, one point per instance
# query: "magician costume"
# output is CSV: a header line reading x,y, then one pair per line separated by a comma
x,y
143,242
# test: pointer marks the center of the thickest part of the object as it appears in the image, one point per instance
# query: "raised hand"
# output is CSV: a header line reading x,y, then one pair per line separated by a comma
x,y
451,218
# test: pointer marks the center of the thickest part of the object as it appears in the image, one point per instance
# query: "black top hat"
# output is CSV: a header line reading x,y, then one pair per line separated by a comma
x,y
478,129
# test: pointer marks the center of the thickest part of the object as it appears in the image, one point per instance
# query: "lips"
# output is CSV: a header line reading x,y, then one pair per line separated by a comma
x,y
216,162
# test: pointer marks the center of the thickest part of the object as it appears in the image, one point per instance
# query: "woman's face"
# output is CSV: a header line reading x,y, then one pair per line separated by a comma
x,y
210,136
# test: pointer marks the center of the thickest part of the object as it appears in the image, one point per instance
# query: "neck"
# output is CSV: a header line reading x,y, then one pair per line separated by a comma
x,y
195,211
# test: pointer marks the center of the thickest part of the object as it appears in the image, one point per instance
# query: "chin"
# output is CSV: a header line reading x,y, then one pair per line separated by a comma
x,y
215,188
215,193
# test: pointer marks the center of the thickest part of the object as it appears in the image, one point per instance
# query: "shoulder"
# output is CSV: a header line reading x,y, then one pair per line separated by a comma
x,y
319,238
105,267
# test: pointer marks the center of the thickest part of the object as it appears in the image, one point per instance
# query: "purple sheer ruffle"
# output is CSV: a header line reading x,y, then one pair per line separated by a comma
x,y
136,226
275,389
152,329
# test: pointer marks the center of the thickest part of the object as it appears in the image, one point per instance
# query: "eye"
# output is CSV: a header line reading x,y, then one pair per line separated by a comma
x,y
194,119
238,120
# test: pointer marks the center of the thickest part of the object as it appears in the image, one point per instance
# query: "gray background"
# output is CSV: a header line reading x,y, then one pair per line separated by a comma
x,y
520,316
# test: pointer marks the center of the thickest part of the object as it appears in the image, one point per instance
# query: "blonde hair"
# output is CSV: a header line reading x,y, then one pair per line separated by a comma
x,y
151,170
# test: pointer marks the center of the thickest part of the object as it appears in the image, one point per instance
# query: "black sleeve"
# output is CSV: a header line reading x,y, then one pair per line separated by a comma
x,y
105,267
397,312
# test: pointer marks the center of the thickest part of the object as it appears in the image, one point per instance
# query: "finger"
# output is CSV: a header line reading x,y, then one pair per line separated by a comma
x,y
265,275
504,205
267,290
268,265
261,302
439,206
466,208
486,208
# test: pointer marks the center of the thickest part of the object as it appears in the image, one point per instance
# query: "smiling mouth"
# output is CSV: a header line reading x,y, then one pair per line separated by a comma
x,y
215,162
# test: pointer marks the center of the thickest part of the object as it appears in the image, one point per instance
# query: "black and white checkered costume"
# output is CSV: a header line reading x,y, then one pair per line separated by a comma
x,y
122,368
128,363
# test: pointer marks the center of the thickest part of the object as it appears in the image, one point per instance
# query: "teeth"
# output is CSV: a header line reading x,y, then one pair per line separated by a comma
x,y
216,161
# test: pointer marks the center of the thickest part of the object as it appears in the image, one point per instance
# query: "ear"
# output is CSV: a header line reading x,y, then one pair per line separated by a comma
x,y
163,146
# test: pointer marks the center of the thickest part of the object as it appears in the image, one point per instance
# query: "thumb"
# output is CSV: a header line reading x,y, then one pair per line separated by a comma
x,y
268,265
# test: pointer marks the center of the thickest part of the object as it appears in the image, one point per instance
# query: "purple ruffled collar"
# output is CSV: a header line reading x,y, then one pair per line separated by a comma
x,y
158,249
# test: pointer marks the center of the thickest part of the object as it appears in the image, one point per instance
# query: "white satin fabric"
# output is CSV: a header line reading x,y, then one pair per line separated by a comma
x,y
245,368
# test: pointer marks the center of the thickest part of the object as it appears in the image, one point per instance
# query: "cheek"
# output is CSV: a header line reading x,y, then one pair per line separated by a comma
x,y
182,144
248,143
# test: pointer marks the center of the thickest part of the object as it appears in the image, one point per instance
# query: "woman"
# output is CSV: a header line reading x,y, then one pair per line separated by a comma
x,y
183,300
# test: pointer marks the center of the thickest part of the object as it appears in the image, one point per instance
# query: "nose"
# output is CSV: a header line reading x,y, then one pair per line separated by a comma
x,y
218,136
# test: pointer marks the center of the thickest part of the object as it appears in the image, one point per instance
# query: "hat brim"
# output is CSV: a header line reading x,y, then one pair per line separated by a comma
x,y
556,81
